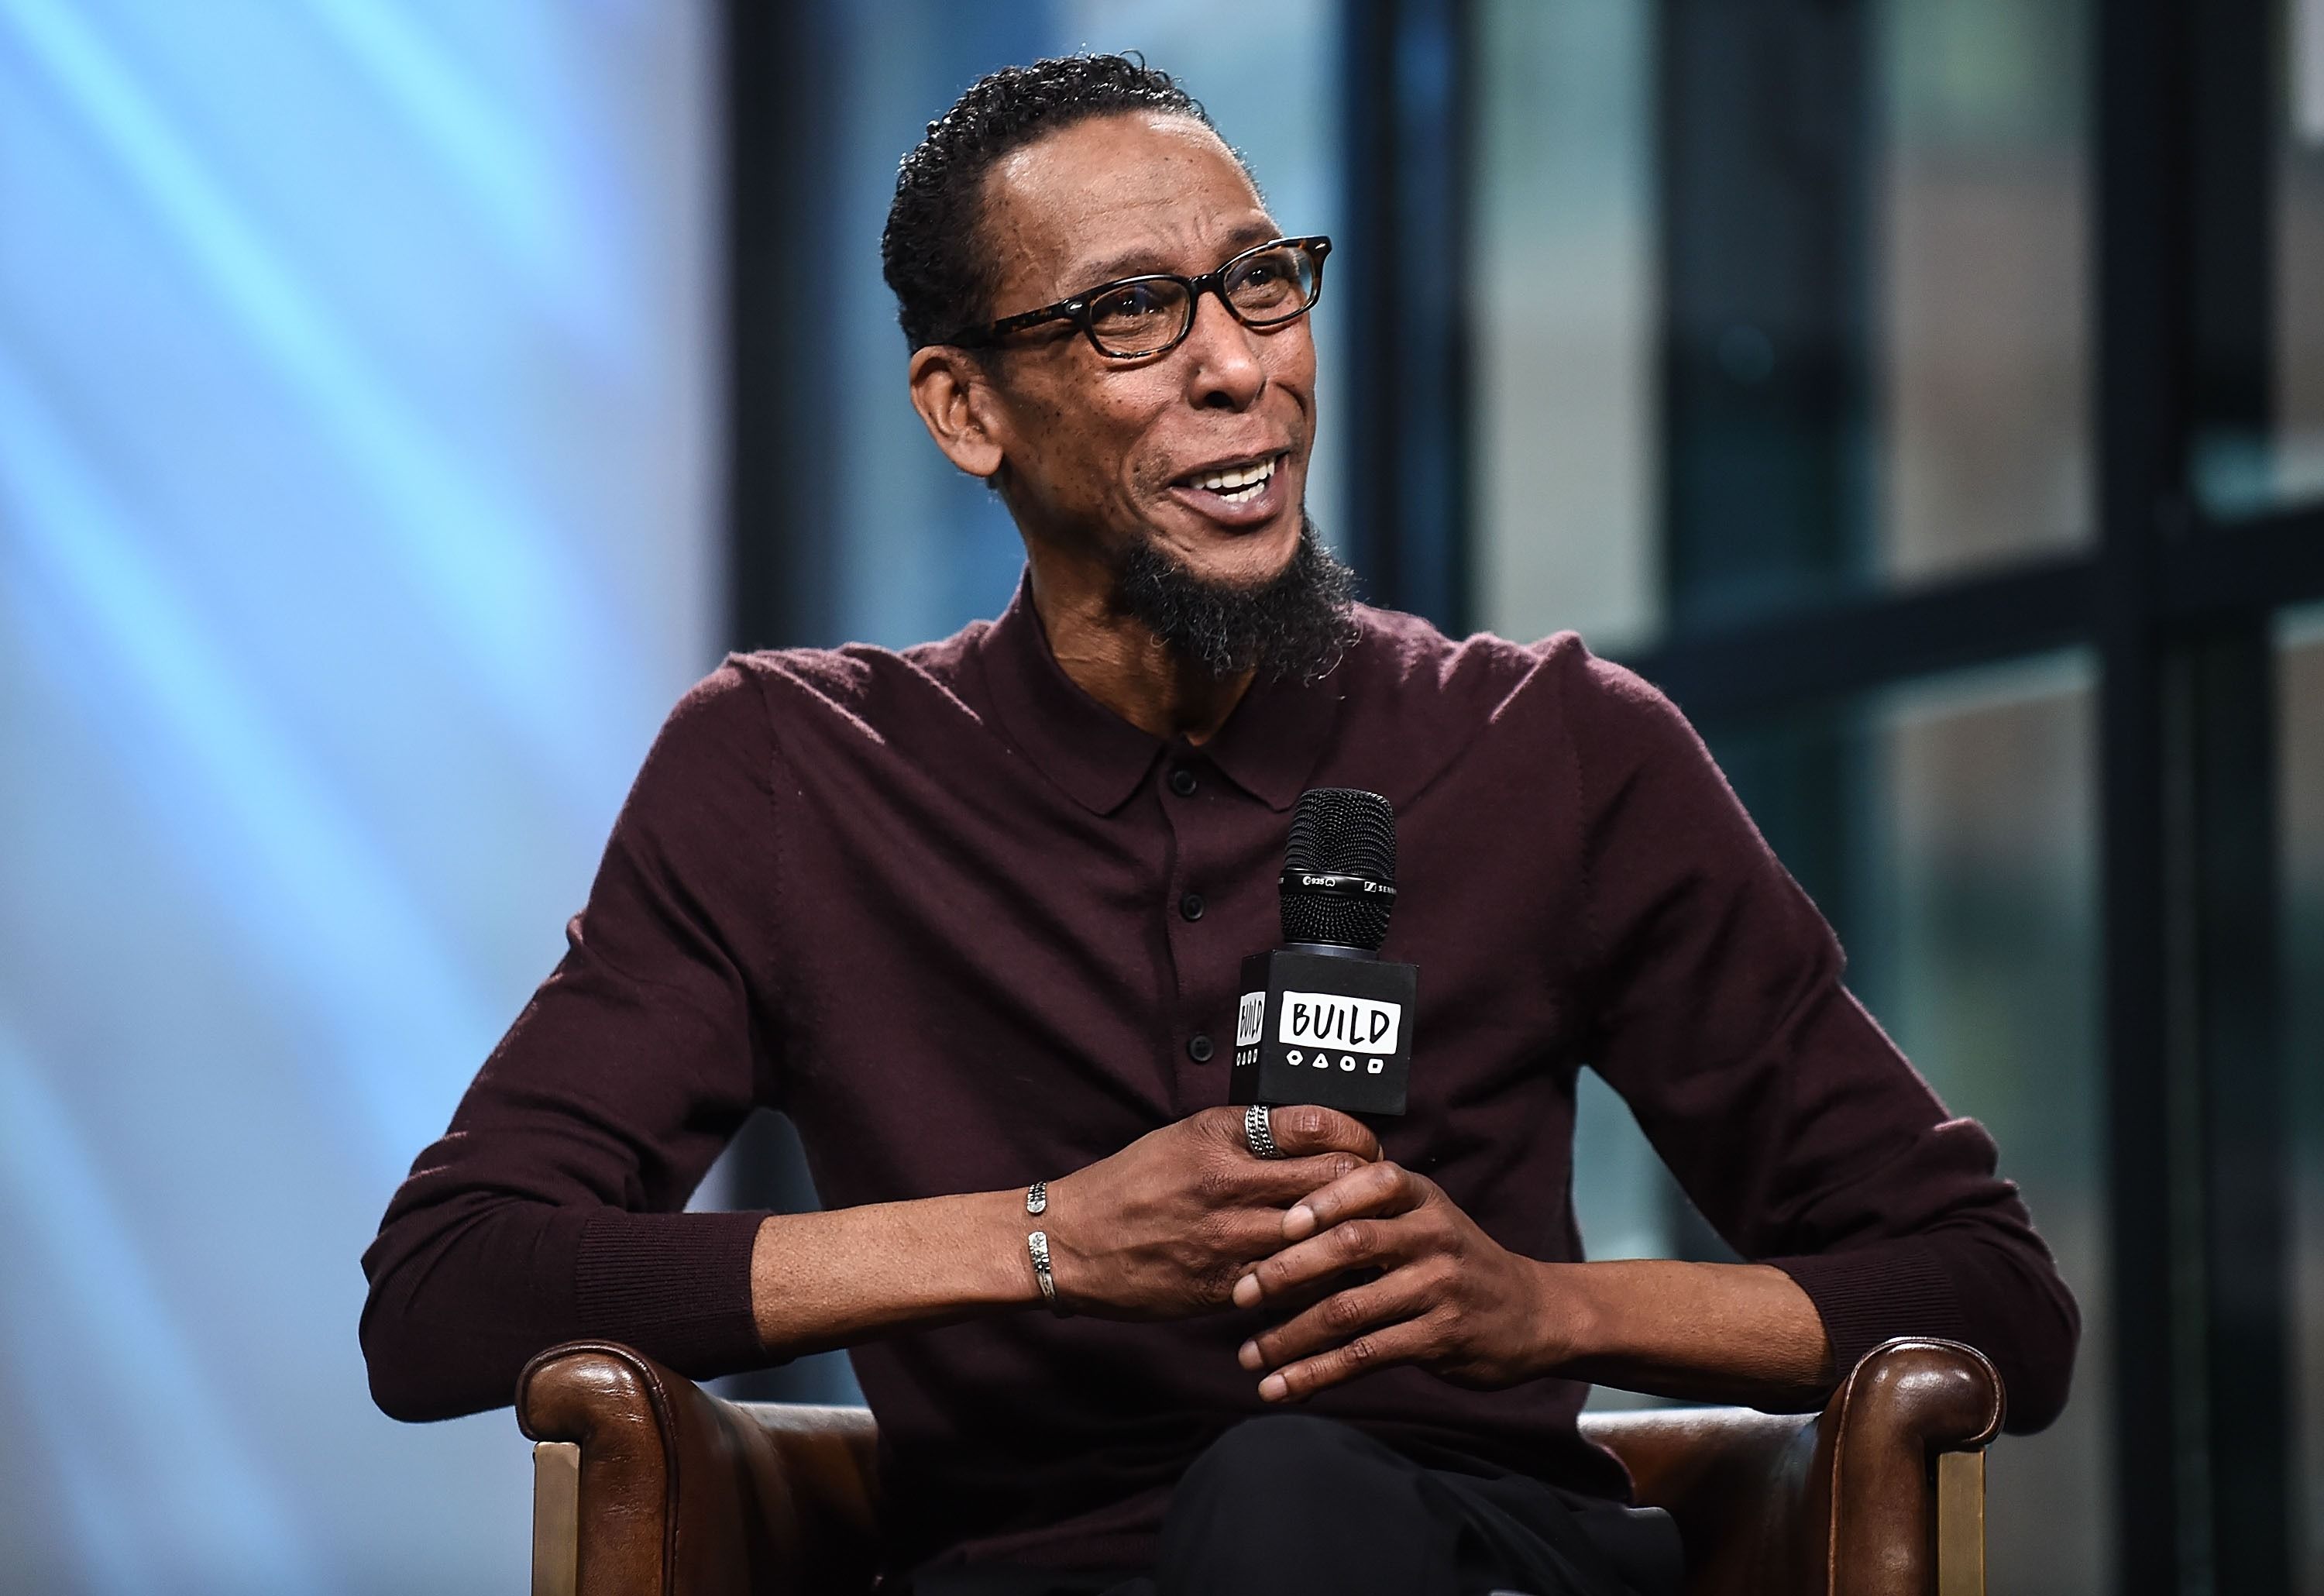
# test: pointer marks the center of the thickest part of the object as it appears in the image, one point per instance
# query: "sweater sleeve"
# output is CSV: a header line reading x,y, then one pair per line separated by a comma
x,y
1793,1121
550,1208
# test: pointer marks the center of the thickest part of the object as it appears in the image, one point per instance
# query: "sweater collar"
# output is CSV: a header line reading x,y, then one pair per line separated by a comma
x,y
1269,745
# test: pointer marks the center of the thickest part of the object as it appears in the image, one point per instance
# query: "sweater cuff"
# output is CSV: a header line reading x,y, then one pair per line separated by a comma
x,y
1870,1293
677,1286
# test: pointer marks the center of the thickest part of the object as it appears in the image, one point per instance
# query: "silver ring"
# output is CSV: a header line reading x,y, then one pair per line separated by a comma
x,y
1259,1133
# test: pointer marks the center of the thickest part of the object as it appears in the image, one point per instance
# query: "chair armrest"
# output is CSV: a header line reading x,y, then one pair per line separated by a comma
x,y
1879,1495
680,1491
1881,1445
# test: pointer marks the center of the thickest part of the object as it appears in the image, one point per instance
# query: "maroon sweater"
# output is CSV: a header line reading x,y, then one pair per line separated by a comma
x,y
964,926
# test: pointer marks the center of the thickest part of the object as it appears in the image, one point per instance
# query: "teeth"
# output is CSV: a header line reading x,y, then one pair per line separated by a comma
x,y
1248,476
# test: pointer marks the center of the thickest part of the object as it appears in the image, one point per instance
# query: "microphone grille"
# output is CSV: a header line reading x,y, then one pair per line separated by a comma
x,y
1340,831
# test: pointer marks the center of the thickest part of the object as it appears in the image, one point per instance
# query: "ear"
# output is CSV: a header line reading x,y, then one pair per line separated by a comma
x,y
960,407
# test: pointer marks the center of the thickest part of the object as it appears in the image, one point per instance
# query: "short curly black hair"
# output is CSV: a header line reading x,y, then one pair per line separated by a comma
x,y
931,252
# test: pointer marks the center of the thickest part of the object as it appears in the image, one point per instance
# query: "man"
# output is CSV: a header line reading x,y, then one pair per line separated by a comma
x,y
973,914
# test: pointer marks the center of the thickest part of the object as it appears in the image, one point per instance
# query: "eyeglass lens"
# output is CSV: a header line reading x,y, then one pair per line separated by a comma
x,y
1265,287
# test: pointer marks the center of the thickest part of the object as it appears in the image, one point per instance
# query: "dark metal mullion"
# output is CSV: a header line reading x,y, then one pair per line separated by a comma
x,y
2219,571
1843,649
2230,689
1370,284
779,113
2229,674
1406,73
2142,123
1765,162
2246,566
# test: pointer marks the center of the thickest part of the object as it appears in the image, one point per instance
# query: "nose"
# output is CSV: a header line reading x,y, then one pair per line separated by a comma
x,y
1223,369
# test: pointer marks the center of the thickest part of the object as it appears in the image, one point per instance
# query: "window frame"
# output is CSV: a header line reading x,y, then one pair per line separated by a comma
x,y
2176,604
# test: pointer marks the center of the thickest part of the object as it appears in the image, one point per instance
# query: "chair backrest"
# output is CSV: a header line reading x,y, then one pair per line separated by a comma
x,y
647,1483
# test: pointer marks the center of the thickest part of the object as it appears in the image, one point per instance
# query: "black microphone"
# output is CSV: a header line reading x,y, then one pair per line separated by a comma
x,y
1324,1019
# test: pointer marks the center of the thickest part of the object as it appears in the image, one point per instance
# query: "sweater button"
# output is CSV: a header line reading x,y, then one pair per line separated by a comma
x,y
1191,906
1182,782
1198,1047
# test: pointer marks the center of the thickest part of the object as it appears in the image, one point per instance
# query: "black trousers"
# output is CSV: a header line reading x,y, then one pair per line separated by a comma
x,y
1292,1503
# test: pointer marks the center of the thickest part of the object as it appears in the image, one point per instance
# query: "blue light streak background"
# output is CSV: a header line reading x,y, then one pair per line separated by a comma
x,y
357,526
359,419
354,534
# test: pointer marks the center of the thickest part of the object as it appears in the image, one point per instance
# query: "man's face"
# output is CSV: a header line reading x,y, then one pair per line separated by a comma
x,y
1103,454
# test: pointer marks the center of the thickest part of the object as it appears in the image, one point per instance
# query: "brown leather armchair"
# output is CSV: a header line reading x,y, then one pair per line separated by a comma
x,y
644,1482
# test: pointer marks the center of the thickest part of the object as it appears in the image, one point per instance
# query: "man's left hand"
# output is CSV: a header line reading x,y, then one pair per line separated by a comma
x,y
1450,1298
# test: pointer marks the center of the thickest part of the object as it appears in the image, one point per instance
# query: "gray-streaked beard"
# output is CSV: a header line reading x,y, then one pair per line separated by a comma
x,y
1296,626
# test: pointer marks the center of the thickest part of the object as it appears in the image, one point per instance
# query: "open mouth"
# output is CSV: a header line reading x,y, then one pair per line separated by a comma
x,y
1236,484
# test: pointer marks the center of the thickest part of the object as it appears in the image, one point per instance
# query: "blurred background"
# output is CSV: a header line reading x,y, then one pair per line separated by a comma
x,y
402,401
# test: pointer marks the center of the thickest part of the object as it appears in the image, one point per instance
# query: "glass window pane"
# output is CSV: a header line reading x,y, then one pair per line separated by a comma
x,y
1949,831
1565,313
1979,951
1811,320
2301,723
1982,220
2259,441
2298,445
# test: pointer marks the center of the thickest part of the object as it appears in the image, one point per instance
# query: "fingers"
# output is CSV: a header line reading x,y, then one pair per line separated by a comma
x,y
1377,1191
1308,1128
1382,1188
1228,1243
1407,1340
1242,1234
1281,1181
1334,1318
1353,1243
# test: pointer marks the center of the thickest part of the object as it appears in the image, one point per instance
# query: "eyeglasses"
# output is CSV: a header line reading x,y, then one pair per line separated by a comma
x,y
1265,286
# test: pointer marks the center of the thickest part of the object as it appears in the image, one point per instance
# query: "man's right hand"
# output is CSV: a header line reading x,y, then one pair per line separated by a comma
x,y
1164,1228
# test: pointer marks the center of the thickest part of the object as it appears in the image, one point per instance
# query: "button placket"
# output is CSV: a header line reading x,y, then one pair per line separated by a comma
x,y
1184,906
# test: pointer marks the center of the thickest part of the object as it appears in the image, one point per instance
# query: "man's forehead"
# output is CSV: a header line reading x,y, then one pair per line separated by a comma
x,y
1100,197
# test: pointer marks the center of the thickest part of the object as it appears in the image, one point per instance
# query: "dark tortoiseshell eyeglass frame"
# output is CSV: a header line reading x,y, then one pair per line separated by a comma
x,y
1078,309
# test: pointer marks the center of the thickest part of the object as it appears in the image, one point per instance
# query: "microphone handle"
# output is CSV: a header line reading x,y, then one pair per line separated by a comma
x,y
1325,1024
